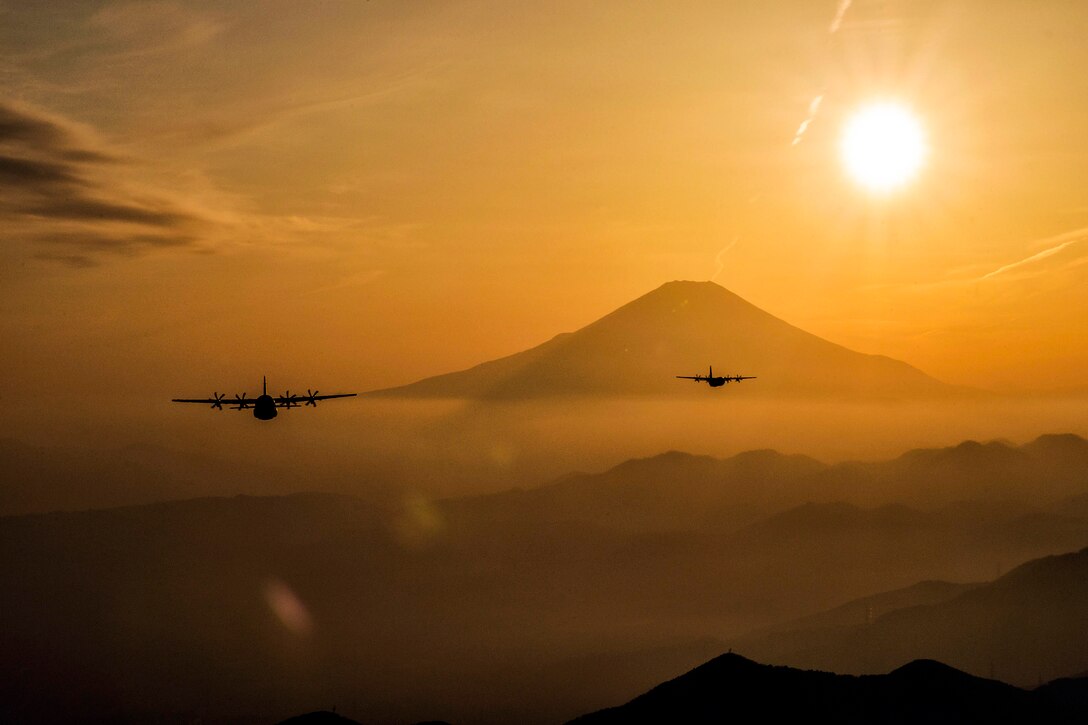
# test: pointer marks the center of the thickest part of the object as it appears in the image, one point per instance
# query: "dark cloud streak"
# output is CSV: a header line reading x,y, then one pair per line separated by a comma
x,y
116,243
85,155
17,125
75,261
87,209
50,175
35,173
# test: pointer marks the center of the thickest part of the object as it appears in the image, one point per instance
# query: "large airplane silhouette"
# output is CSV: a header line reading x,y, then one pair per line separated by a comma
x,y
264,405
716,382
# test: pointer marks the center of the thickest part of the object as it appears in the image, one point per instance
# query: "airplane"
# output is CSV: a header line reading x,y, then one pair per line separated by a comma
x,y
716,382
264,406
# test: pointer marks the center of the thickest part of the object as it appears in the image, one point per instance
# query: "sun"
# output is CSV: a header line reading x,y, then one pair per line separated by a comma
x,y
883,146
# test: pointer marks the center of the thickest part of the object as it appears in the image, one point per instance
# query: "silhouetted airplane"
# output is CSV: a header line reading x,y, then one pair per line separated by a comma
x,y
716,382
264,406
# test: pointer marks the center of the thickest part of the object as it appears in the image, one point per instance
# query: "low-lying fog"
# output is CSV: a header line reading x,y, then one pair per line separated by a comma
x,y
455,447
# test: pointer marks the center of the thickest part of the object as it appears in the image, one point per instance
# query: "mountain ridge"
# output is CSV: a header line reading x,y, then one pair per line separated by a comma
x,y
732,686
753,484
1031,615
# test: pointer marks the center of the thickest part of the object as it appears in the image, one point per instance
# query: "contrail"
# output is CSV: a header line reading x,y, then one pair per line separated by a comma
x,y
814,105
836,22
1056,244
1079,236
721,253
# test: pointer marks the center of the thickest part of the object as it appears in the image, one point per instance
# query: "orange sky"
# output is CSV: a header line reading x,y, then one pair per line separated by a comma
x,y
374,192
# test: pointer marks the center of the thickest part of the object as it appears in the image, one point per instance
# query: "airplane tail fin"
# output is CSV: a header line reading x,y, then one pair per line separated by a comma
x,y
264,385
711,373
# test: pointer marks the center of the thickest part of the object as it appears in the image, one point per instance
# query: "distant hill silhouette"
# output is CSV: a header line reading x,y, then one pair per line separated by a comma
x,y
38,479
731,688
680,329
1049,468
866,609
669,491
858,611
321,717
676,490
1025,627
325,717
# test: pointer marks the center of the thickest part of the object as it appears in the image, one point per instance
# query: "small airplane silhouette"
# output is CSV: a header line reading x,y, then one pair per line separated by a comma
x,y
264,406
716,382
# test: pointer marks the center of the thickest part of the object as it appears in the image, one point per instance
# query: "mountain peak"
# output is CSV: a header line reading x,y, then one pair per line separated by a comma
x,y
682,328
1064,445
927,669
682,287
692,298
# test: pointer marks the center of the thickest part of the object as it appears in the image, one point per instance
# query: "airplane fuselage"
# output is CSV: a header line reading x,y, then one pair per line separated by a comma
x,y
715,382
264,407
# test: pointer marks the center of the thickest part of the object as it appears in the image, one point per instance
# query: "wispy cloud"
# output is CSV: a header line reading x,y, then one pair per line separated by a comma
x,y
151,28
60,187
228,127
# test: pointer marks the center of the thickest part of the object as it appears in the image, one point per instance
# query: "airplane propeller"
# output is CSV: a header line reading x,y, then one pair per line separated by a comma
x,y
262,406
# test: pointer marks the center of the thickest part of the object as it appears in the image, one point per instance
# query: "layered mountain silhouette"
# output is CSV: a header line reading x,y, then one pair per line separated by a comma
x,y
677,490
1025,627
518,606
866,609
681,328
1049,468
731,688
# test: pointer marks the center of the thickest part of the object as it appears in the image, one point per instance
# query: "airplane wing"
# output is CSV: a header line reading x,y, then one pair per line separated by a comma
x,y
691,377
738,378
218,402
293,400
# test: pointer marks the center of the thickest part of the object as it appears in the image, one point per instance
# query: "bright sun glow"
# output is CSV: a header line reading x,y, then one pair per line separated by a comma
x,y
883,146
